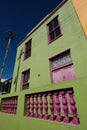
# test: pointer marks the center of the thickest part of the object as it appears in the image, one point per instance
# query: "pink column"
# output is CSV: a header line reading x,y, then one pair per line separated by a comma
x,y
57,105
7,106
10,106
12,102
45,107
36,106
65,107
32,106
15,104
51,106
3,105
28,106
75,119
41,106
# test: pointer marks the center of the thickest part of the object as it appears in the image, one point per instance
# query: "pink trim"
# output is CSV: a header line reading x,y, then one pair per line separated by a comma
x,y
26,83
23,78
59,6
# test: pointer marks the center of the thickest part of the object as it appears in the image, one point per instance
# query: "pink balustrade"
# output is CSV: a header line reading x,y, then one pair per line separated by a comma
x,y
9,105
41,106
58,105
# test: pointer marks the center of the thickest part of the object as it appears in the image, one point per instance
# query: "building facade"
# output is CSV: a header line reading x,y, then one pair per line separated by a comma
x,y
48,88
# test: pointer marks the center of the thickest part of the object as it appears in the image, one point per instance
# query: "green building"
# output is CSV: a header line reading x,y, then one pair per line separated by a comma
x,y
48,88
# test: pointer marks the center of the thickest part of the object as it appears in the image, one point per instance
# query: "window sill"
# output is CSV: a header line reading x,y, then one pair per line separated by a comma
x,y
55,39
25,86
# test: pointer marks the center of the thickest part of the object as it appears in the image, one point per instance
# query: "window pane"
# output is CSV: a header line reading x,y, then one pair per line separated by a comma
x,y
50,26
55,22
61,60
57,32
25,86
28,49
52,36
54,29
26,76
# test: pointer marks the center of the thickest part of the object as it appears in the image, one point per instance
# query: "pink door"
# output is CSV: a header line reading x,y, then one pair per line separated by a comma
x,y
57,75
69,73
66,73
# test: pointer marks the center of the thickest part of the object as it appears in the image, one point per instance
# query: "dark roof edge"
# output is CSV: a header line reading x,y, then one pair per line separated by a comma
x,y
43,20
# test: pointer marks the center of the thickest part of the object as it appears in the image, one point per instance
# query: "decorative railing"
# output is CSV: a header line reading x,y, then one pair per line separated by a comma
x,y
9,105
59,105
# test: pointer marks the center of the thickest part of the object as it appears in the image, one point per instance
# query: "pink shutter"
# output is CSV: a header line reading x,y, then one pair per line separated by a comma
x,y
69,73
66,73
57,76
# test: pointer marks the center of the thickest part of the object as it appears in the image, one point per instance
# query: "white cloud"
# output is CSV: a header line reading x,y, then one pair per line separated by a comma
x,y
2,80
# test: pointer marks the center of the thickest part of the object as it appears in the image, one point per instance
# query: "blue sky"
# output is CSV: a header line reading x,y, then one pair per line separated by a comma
x,y
20,16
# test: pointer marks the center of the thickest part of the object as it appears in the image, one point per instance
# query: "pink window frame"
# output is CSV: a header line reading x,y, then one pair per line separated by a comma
x,y
27,83
25,50
59,25
62,66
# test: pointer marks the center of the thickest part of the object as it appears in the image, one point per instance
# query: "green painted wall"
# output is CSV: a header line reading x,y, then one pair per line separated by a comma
x,y
73,37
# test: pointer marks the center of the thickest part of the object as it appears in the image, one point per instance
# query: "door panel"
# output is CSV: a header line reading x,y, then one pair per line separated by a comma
x,y
66,73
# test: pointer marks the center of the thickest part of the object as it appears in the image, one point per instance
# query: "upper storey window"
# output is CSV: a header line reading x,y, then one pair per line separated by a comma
x,y
27,52
54,30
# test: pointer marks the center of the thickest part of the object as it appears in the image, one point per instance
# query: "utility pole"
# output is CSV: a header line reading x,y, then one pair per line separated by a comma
x,y
10,36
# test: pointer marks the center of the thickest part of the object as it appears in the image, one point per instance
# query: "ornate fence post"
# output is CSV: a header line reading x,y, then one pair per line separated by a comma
x,y
45,106
28,105
36,106
32,106
57,105
51,106
41,106
73,108
65,107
